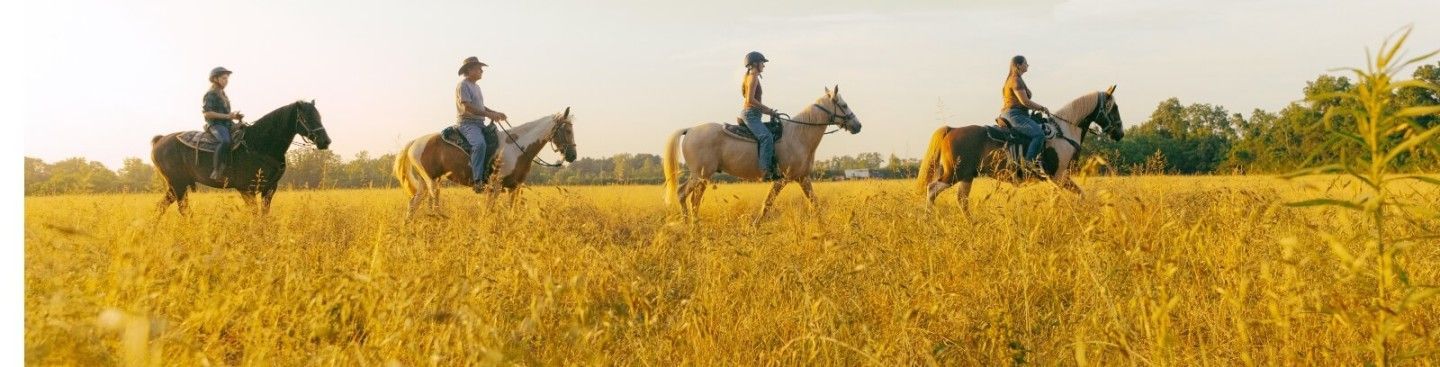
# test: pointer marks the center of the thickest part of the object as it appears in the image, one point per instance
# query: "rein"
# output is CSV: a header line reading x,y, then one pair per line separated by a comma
x,y
1099,106
537,159
829,121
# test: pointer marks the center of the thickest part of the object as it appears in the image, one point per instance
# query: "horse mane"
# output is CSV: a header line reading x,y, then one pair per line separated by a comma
x,y
530,132
1079,108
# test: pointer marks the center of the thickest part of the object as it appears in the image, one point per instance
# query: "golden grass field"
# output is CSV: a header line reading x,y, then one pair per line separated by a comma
x,y
1141,271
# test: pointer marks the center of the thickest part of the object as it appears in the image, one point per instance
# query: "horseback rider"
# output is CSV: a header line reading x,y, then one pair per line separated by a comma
x,y
471,114
1017,106
218,118
753,108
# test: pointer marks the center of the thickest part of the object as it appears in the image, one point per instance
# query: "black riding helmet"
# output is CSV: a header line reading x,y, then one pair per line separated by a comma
x,y
754,57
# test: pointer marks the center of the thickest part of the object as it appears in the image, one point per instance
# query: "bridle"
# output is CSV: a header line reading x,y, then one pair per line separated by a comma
x,y
557,146
1100,112
833,118
310,132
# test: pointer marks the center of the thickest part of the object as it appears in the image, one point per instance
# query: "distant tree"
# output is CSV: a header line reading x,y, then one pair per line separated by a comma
x,y
137,176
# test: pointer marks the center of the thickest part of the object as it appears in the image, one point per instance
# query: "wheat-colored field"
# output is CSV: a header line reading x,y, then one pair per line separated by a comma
x,y
1140,271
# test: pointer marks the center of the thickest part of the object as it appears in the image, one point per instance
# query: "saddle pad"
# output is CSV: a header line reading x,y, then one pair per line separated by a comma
x,y
205,141
742,132
452,136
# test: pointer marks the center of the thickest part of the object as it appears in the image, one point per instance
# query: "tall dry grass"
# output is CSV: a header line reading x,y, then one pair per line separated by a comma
x,y
1144,270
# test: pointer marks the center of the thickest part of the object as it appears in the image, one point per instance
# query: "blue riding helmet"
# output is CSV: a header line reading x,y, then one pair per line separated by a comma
x,y
219,70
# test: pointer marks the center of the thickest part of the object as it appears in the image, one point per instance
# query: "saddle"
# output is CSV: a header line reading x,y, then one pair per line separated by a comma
x,y
205,141
1014,141
452,136
739,130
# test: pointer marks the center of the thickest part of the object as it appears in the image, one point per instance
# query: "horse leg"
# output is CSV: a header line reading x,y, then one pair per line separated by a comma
x,y
165,202
770,199
182,198
697,192
683,194
809,194
933,190
249,196
267,194
962,196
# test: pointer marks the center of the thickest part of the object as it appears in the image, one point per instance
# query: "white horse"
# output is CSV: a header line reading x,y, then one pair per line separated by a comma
x,y
427,159
709,149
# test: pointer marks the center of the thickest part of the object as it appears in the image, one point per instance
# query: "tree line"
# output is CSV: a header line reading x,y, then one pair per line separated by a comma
x,y
1176,138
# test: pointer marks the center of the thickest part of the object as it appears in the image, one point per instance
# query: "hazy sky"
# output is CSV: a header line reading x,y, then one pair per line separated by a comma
x,y
102,77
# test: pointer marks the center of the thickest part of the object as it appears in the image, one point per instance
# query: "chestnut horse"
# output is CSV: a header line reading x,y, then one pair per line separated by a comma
x,y
957,155
428,158
709,149
257,160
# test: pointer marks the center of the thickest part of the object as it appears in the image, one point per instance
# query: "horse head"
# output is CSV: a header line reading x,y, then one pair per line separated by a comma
x,y
1107,113
308,125
562,135
840,112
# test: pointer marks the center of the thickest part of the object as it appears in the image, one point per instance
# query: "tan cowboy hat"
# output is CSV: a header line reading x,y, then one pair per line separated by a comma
x,y
472,60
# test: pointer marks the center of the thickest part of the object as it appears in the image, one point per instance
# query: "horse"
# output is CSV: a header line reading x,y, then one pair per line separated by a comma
x,y
257,158
709,149
958,155
427,159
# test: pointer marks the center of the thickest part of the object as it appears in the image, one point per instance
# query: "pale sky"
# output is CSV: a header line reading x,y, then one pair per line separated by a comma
x,y
102,77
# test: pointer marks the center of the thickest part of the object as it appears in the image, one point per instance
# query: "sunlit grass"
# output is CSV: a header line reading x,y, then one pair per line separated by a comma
x,y
1143,270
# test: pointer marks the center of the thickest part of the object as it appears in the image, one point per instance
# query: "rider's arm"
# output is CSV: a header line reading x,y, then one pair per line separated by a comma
x,y
1025,100
212,103
493,114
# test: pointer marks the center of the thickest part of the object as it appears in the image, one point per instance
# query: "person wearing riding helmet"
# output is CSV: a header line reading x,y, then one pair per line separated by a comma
x,y
753,108
1017,106
471,114
218,117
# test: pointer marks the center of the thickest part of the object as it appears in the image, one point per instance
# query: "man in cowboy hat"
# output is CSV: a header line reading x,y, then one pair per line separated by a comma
x,y
471,115
218,118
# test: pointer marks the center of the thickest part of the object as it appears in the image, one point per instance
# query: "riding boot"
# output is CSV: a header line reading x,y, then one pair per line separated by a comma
x,y
219,163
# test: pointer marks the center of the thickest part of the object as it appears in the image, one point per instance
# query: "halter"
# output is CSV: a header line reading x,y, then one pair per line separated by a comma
x,y
831,120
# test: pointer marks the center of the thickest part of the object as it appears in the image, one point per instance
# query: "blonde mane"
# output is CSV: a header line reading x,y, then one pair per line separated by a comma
x,y
1079,108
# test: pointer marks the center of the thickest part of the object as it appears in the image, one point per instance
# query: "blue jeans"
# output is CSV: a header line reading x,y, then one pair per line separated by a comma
x,y
1020,121
764,140
484,141
221,131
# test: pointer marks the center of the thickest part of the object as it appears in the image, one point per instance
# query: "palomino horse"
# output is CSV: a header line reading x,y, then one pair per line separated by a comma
x,y
428,158
708,149
958,155
257,160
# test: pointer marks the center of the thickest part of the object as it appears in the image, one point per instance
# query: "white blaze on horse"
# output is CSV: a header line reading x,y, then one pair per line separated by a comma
x,y
957,155
428,159
709,149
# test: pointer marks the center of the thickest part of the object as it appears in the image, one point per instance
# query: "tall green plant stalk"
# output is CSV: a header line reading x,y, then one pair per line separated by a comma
x,y
1386,131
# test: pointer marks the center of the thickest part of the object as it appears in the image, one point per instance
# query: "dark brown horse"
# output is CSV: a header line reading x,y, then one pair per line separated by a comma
x,y
425,161
957,155
257,159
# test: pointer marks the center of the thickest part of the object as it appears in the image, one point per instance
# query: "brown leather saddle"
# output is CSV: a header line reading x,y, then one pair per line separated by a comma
x,y
740,131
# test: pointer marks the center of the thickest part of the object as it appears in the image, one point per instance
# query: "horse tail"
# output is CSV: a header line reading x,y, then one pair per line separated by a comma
x,y
401,168
671,163
933,157
406,168
155,139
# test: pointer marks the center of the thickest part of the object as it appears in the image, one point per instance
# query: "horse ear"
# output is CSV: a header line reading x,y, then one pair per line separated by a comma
x,y
567,113
827,91
837,89
1111,90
